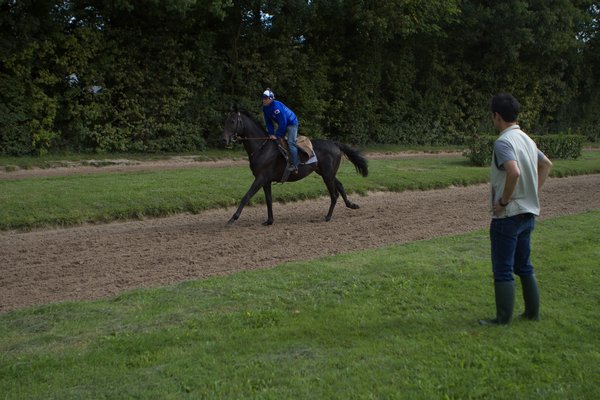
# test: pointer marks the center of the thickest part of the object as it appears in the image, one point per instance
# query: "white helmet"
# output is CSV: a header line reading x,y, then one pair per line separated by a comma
x,y
268,94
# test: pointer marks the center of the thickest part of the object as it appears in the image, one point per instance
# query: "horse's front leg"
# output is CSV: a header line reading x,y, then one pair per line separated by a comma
x,y
257,184
269,200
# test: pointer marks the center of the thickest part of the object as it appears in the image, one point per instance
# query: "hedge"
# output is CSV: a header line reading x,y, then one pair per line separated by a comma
x,y
562,146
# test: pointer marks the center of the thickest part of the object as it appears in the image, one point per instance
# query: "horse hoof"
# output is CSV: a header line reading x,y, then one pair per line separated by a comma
x,y
231,221
354,206
327,218
268,222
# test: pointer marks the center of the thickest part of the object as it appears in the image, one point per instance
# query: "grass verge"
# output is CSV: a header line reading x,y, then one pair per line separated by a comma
x,y
397,322
9,163
40,202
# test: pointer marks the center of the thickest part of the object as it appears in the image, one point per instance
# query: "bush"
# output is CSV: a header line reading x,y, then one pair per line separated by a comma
x,y
480,150
560,146
554,146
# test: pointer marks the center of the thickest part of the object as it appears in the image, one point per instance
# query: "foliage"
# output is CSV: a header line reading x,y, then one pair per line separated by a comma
x,y
480,150
397,322
560,147
555,147
104,76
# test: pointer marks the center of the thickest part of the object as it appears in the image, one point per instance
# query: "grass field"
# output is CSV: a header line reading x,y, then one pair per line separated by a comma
x,y
398,322
236,152
9,163
61,201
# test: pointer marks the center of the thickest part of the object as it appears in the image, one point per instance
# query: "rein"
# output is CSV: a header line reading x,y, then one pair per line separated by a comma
x,y
237,129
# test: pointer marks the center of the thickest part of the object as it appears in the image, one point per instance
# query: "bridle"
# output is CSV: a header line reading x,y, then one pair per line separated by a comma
x,y
240,123
239,127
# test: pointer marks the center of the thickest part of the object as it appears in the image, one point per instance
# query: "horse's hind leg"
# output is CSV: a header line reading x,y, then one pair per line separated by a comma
x,y
340,189
333,194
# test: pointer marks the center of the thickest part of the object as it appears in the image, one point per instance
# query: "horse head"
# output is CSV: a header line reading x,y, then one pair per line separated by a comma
x,y
234,126
241,125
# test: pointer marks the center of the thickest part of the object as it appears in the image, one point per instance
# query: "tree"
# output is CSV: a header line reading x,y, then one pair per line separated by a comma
x,y
159,75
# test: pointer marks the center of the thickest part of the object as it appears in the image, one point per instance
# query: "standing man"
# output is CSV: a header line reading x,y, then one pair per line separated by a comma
x,y
519,170
287,125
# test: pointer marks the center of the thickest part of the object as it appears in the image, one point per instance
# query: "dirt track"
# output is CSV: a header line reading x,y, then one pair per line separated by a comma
x,y
96,261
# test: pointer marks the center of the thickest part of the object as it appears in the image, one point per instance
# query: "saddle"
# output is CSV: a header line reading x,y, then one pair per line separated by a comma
x,y
306,154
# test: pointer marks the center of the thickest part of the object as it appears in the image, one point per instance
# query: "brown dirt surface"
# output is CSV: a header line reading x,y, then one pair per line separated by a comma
x,y
97,261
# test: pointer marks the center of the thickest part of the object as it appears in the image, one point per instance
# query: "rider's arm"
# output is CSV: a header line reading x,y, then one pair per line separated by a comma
x,y
268,123
281,123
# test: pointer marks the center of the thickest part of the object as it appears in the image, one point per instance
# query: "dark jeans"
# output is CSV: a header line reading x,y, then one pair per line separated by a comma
x,y
510,239
292,136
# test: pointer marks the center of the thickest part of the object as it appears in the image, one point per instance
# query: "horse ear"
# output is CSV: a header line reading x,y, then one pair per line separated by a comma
x,y
233,107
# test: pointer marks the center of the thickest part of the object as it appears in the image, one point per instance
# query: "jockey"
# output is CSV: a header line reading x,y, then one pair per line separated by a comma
x,y
287,125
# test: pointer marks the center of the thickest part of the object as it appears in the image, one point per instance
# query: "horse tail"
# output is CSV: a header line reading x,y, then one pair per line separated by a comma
x,y
355,156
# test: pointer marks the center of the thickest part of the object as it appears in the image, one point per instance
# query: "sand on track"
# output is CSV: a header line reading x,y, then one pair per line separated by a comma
x,y
97,261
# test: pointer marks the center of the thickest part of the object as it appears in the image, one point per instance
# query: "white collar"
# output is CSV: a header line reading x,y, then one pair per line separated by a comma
x,y
510,128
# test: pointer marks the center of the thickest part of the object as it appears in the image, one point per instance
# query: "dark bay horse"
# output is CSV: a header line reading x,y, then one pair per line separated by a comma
x,y
268,165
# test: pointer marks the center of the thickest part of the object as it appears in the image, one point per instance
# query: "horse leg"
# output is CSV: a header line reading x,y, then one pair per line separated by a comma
x,y
333,194
257,184
269,200
340,189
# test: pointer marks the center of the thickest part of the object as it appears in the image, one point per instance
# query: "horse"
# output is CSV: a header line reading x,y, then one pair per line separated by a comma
x,y
268,164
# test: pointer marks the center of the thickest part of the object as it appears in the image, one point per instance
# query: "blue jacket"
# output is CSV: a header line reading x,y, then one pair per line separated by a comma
x,y
278,112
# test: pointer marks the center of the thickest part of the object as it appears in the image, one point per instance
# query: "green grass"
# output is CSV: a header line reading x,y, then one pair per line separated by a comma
x,y
396,148
56,201
397,322
68,159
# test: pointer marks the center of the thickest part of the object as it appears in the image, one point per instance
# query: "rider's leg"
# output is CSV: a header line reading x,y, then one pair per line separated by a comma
x,y
292,135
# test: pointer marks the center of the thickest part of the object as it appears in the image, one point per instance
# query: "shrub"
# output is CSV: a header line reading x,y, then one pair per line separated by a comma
x,y
480,150
554,146
560,146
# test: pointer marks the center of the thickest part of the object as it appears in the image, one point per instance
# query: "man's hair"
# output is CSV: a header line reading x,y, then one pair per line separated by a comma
x,y
507,106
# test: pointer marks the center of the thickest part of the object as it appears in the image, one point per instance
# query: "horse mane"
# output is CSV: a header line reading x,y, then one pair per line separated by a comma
x,y
251,116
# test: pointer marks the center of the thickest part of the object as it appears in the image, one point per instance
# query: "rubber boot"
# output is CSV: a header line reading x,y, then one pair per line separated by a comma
x,y
531,297
505,303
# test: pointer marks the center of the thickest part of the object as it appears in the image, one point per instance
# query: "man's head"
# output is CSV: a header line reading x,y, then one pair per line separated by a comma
x,y
505,110
507,106
267,97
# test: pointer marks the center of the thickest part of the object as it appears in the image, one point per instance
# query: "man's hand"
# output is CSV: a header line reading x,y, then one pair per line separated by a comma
x,y
512,176
272,137
498,209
